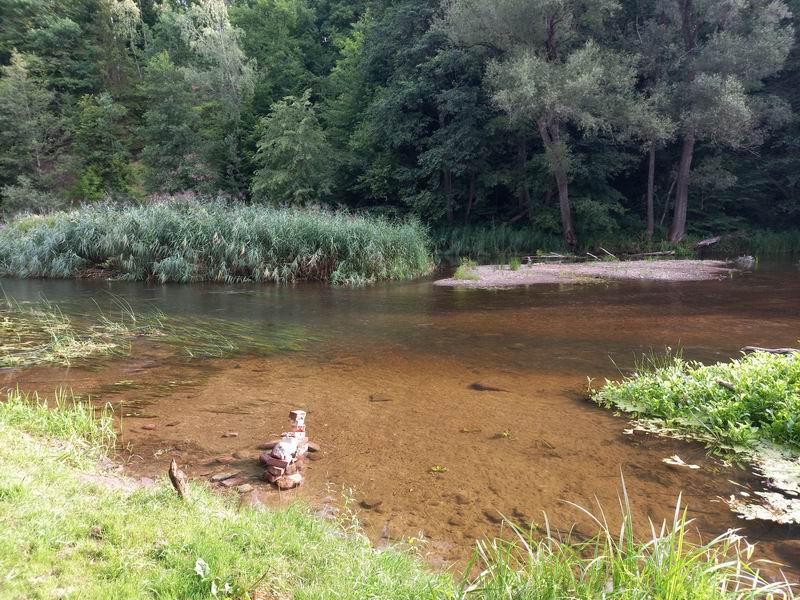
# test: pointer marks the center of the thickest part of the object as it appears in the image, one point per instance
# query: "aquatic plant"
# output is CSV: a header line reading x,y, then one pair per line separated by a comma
x,y
734,404
41,333
185,239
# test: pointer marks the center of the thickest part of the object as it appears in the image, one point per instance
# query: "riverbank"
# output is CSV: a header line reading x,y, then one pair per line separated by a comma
x,y
487,276
183,240
63,503
746,410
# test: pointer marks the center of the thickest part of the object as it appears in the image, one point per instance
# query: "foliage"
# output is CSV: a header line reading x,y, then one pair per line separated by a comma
x,y
189,240
460,113
736,404
295,159
466,269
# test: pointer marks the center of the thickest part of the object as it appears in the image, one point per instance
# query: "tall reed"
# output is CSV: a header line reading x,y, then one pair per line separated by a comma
x,y
185,239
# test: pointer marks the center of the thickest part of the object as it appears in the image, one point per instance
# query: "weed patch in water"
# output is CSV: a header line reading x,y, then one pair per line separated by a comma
x,y
747,410
41,333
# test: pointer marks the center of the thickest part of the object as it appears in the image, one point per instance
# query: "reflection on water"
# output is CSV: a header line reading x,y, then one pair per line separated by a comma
x,y
400,377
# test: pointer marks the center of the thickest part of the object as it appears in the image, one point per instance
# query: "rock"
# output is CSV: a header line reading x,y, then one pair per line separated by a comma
x,y
313,447
493,516
370,503
456,521
269,445
222,476
225,459
173,423
244,488
326,512
230,434
244,455
289,481
462,499
146,482
149,426
232,482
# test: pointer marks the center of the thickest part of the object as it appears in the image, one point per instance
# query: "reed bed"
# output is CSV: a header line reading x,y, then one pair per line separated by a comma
x,y
186,239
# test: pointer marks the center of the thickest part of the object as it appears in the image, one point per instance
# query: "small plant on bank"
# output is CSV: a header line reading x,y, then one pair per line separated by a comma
x,y
465,270
514,263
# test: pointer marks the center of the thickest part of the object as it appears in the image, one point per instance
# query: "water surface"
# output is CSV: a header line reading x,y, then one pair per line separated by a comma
x,y
400,377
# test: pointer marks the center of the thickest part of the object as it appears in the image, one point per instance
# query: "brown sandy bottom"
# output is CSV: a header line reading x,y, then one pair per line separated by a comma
x,y
513,443
592,272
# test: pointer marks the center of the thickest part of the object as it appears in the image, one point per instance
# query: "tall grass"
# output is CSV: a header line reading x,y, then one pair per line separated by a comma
x,y
67,418
666,566
184,239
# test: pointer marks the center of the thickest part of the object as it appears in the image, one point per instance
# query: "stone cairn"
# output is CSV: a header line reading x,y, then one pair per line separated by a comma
x,y
285,461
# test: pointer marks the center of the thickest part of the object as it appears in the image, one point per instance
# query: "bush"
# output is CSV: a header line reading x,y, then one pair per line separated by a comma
x,y
186,240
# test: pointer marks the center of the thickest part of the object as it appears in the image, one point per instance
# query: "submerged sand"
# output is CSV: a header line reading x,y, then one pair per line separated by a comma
x,y
591,272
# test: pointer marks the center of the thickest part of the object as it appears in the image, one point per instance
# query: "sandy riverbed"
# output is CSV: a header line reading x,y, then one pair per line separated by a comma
x,y
591,272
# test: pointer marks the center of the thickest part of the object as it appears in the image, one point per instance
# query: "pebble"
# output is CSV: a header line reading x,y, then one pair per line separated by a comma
x,y
493,516
149,426
222,476
462,499
244,488
173,423
232,482
370,503
230,434
456,521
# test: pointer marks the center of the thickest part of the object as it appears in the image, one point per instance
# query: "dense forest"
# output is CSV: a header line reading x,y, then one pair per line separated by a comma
x,y
574,118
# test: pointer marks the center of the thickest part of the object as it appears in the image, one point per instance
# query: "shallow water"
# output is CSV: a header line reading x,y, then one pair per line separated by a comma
x,y
397,378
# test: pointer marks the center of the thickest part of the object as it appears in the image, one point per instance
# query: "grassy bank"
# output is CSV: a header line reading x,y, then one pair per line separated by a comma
x,y
73,530
184,240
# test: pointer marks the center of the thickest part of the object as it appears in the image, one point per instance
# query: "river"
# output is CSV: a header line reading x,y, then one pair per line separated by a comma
x,y
400,377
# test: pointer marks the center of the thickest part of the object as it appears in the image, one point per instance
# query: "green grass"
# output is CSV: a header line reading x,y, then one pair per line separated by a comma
x,y
753,399
183,240
466,270
514,263
69,534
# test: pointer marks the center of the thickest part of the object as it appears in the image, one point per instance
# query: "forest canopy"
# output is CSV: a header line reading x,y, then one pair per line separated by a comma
x,y
576,118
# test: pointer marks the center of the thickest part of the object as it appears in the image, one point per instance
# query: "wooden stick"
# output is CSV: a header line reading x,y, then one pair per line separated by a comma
x,y
178,479
771,350
607,252
592,255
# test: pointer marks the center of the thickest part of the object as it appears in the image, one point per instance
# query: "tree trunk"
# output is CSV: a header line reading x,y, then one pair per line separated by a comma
x,y
678,228
473,184
651,175
551,136
522,159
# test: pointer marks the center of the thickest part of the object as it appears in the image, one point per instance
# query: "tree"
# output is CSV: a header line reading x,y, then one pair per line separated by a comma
x,y
551,72
99,143
294,158
170,129
714,55
29,128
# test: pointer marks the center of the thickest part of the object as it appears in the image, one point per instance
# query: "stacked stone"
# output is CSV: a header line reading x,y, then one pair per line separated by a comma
x,y
285,461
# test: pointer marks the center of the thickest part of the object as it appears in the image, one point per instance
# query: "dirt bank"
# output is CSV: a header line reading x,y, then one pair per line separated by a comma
x,y
592,272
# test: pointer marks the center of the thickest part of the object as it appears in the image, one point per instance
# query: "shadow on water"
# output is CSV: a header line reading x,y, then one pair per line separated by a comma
x,y
397,378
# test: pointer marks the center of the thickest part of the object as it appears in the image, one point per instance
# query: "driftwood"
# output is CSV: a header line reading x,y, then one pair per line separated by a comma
x,y
607,252
708,242
179,480
726,384
771,350
644,254
593,256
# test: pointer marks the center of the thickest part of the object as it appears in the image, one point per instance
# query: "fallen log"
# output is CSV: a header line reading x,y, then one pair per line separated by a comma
x,y
708,242
748,349
645,254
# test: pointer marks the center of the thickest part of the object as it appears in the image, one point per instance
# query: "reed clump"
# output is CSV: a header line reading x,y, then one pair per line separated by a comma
x,y
187,239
